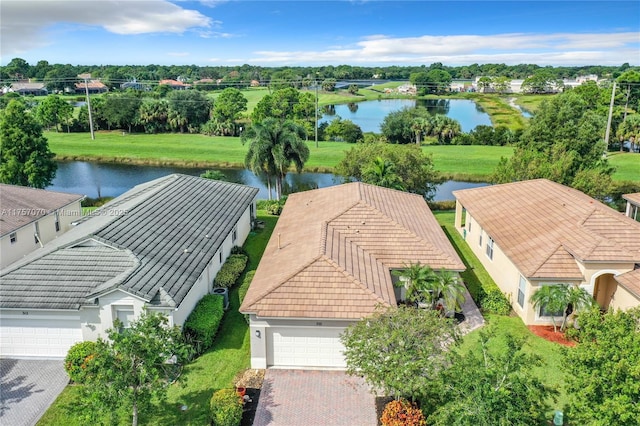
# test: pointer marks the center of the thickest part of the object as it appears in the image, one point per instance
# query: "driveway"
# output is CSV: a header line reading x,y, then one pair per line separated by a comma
x,y
28,388
314,398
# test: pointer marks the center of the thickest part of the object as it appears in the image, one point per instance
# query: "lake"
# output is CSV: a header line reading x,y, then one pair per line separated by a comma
x,y
111,180
369,114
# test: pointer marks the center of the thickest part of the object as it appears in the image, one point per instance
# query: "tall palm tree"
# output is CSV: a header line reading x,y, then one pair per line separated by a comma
x,y
550,298
274,146
414,277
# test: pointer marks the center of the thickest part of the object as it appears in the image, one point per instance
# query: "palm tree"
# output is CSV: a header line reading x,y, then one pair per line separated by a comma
x,y
274,146
575,299
382,173
448,286
424,285
550,298
414,277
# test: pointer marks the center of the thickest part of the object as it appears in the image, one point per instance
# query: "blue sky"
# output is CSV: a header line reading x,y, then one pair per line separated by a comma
x,y
309,33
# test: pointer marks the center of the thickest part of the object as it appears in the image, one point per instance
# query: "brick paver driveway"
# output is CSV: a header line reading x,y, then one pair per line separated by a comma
x,y
28,388
314,398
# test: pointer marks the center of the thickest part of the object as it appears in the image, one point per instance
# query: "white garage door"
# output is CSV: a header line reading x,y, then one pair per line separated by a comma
x,y
318,347
38,337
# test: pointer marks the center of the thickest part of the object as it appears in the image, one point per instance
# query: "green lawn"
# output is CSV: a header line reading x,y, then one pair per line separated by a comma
x,y
627,166
212,371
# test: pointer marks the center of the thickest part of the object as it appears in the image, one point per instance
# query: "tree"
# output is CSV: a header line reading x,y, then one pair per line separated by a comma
x,y
427,286
53,110
563,138
603,379
492,385
25,158
444,128
400,351
121,110
630,84
275,145
575,299
549,299
214,174
228,107
134,365
188,109
413,167
542,81
399,126
17,68
345,130
382,173
630,130
153,115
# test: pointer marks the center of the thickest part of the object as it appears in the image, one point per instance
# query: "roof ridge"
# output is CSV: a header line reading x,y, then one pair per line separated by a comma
x,y
551,254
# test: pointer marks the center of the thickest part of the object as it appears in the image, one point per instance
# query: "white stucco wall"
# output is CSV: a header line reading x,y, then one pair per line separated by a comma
x,y
26,243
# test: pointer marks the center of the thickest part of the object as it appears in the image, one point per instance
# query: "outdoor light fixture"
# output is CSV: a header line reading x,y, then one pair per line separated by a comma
x,y
258,334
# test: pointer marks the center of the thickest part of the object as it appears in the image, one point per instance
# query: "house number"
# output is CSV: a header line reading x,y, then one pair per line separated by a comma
x,y
319,324
25,313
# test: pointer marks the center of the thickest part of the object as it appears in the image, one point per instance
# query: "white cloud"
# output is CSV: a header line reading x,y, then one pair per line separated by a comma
x,y
25,22
544,49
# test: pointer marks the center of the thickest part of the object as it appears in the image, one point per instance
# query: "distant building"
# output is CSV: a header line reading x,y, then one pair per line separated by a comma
x,y
28,88
93,86
174,84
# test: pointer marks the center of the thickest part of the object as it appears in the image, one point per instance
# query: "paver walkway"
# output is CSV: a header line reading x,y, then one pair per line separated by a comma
x,y
314,398
472,317
28,388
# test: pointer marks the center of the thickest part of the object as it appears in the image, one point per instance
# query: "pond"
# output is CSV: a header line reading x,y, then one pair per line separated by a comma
x,y
370,114
111,180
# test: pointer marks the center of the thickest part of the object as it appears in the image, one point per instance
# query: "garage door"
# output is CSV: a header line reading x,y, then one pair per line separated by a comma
x,y
298,347
38,337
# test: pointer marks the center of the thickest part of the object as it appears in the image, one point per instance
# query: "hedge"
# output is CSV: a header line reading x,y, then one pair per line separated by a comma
x,y
244,287
203,322
231,271
226,408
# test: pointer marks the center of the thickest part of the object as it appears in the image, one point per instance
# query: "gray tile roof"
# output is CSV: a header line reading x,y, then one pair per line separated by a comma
x,y
22,205
172,227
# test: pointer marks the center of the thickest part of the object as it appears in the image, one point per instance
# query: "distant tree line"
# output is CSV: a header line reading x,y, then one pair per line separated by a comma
x,y
57,75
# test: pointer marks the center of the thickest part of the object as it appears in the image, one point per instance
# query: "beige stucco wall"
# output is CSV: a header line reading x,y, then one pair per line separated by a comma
x,y
623,299
26,243
507,276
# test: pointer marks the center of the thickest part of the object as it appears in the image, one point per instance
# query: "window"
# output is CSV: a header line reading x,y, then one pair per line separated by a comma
x,y
545,313
480,239
490,248
125,315
220,256
469,226
521,288
234,235
57,218
13,237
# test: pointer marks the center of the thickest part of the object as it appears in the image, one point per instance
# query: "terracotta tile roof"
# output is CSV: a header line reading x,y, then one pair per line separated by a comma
x,y
633,198
630,281
536,223
93,84
22,205
331,252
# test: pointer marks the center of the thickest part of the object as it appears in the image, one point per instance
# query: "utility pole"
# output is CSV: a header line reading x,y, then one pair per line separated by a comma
x,y
86,78
606,135
316,126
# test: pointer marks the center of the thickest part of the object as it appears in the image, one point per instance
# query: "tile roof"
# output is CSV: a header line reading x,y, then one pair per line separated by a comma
x,y
20,205
633,198
91,84
331,252
545,227
172,225
630,281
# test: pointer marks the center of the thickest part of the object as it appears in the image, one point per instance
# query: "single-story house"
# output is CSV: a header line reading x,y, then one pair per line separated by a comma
x,y
93,86
534,233
633,205
29,88
174,84
329,263
31,218
157,246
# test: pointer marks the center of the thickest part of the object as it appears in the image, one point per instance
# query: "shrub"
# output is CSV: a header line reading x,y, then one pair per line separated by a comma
x,y
203,322
494,302
244,287
230,271
273,207
238,250
226,408
77,363
402,413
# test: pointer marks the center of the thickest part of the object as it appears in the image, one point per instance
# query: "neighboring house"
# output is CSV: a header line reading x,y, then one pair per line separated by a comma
x,y
534,233
174,84
30,218
36,89
93,86
633,205
158,246
328,264
134,85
